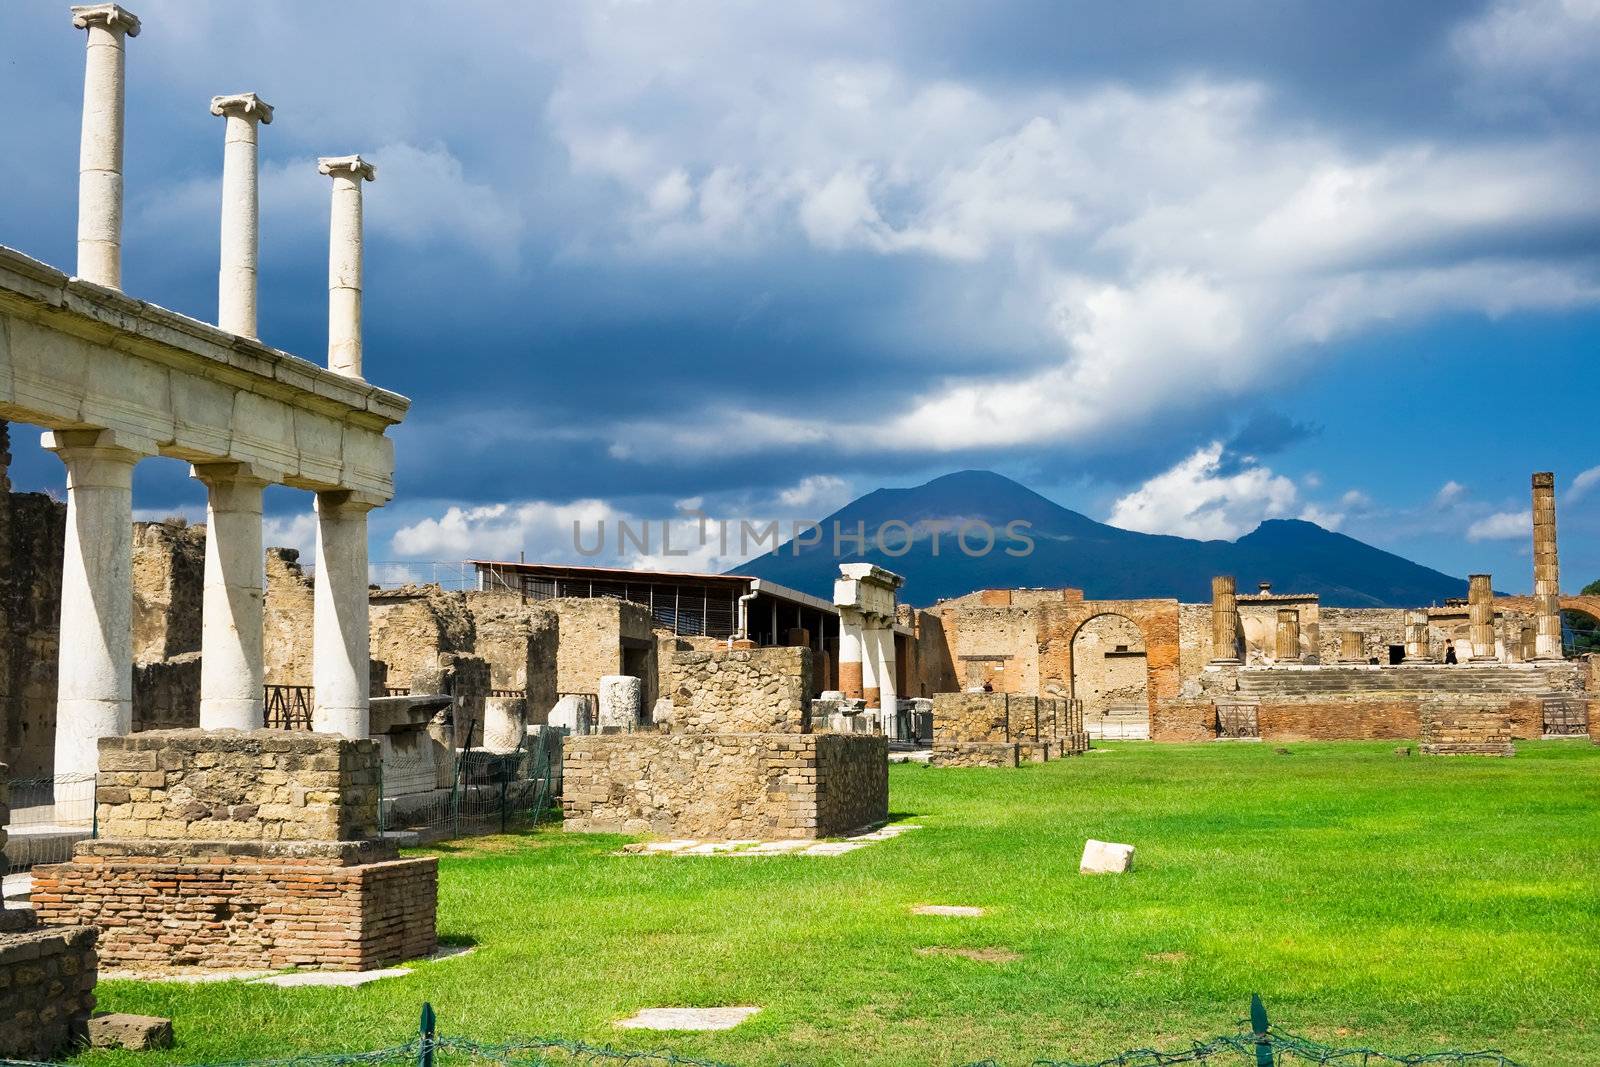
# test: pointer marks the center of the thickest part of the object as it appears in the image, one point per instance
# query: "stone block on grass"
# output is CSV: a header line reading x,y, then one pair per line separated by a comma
x,y
1105,857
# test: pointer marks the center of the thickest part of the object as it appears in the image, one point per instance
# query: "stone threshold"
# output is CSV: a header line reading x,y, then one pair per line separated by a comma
x,y
688,846
285,979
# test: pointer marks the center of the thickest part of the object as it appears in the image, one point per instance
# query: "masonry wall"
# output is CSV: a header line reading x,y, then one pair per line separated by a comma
x,y
166,693
32,534
287,619
759,690
169,572
596,635
725,786
519,639
47,979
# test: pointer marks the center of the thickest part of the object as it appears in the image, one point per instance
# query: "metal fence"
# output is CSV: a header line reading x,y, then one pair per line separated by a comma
x,y
490,792
1255,1042
48,817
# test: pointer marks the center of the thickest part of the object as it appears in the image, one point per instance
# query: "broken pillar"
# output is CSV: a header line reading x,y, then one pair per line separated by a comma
x,y
1546,569
1288,638
621,702
1480,616
1224,619
1417,636
1352,646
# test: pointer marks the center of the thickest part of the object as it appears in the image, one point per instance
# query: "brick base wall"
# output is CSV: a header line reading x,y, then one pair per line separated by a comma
x,y
1453,729
188,908
47,978
1331,720
977,729
725,786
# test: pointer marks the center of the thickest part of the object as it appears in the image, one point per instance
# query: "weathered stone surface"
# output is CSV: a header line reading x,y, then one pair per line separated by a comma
x,y
1105,857
47,977
758,690
621,702
687,1018
725,786
1004,729
270,785
1459,728
137,1033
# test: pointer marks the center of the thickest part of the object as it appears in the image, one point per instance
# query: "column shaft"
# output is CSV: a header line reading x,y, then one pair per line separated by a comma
x,y
1546,569
231,667
100,146
1288,636
1480,615
1417,636
887,695
340,640
237,276
94,694
1224,619
871,660
850,642
345,261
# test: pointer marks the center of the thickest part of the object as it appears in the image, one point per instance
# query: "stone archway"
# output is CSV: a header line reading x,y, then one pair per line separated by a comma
x,y
1111,676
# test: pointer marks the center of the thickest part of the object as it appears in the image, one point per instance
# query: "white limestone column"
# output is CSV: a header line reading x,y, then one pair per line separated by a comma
x,y
231,666
870,659
100,149
886,679
345,260
94,691
851,673
237,285
341,642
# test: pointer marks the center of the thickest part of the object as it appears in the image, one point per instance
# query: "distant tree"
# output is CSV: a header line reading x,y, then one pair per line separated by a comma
x,y
1592,589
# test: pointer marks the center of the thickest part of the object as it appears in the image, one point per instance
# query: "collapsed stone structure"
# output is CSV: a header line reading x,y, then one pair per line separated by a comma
x,y
738,760
1003,730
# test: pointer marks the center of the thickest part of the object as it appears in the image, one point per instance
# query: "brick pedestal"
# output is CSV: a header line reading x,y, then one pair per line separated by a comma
x,y
1004,729
1455,729
232,849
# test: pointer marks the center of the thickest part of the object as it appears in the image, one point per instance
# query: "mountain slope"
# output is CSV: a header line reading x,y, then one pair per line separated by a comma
x,y
1070,549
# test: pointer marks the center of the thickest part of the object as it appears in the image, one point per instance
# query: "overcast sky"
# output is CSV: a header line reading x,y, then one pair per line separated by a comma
x,y
1181,267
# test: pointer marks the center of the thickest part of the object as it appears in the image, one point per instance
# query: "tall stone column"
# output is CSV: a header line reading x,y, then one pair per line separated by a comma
x,y
1546,569
850,654
241,214
1352,646
231,667
1480,616
1288,637
100,149
871,661
345,261
341,642
887,695
94,691
1417,636
1224,619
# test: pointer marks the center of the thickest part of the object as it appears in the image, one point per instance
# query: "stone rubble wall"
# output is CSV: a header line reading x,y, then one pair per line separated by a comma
x,y
725,786
32,534
757,690
1453,728
271,785
166,693
1003,729
287,619
169,569
593,633
47,979
975,754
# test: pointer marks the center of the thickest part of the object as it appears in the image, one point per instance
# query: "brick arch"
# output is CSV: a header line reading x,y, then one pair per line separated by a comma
x,y
1588,605
1057,626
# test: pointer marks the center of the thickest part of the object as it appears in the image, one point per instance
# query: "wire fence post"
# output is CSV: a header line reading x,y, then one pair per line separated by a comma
x,y
425,1036
1258,1025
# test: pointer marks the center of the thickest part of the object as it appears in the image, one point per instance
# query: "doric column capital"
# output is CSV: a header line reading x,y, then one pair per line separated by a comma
x,y
245,105
235,473
97,457
348,166
113,17
349,501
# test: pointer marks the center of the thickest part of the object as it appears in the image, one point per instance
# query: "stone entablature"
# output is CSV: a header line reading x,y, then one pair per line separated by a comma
x,y
759,690
727,786
74,354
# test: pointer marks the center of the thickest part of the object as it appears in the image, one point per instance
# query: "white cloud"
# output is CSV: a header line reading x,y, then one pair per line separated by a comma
x,y
1194,499
1328,520
1522,53
1581,485
815,495
1449,493
1502,526
297,531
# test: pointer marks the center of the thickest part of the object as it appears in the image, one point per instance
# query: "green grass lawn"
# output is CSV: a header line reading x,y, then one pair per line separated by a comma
x,y
1408,904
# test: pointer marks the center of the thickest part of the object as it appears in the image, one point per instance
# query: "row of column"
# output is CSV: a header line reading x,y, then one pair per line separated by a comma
x,y
867,659
95,694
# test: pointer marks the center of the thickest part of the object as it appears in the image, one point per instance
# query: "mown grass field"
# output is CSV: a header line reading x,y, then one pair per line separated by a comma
x,y
1407,904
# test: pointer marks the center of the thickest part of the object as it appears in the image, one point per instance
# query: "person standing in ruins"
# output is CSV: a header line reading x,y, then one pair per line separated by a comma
x,y
1449,651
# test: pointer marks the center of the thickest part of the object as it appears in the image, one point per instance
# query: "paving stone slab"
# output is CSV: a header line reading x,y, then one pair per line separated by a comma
x,y
348,979
962,911
687,1018
751,847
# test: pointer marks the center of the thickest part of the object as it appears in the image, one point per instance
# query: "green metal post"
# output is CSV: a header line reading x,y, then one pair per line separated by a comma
x,y
425,1036
1258,1025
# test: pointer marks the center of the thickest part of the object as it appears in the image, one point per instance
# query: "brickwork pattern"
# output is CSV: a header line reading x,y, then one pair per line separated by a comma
x,y
759,690
975,754
1452,728
999,729
234,785
216,910
725,786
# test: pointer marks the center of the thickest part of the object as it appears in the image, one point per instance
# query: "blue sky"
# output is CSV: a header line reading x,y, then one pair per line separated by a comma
x,y
1179,266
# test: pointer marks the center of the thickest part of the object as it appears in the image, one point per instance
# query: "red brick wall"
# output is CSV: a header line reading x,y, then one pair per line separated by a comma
x,y
245,912
1344,720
